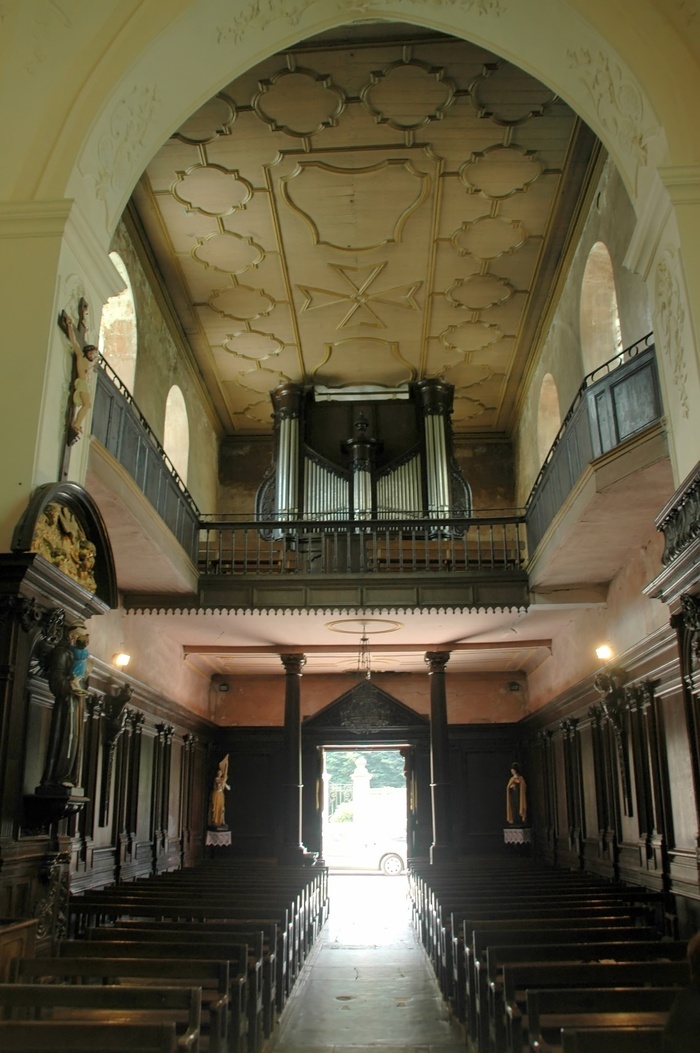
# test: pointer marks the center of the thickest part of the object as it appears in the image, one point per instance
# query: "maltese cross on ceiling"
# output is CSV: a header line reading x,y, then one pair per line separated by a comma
x,y
359,297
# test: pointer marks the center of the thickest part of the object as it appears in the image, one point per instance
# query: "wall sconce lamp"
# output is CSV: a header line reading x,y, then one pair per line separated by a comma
x,y
121,659
604,652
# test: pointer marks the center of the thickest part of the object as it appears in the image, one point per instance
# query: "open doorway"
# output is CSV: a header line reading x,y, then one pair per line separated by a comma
x,y
364,811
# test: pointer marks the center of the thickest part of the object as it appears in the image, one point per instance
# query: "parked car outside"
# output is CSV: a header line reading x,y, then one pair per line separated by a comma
x,y
347,849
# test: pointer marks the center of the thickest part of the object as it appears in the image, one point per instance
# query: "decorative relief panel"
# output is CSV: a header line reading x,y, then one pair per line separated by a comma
x,y
211,190
252,344
508,96
299,102
228,252
362,189
242,302
359,297
500,171
212,120
375,361
471,336
670,312
489,237
479,291
356,209
408,94
616,98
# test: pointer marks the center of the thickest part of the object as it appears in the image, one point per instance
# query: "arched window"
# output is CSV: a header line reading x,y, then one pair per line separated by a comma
x,y
548,416
176,432
117,340
601,336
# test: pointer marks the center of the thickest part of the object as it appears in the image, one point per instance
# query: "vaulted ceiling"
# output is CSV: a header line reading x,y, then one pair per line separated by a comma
x,y
378,205
373,207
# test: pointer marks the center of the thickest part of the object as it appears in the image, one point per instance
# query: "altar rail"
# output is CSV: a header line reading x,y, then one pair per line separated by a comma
x,y
413,546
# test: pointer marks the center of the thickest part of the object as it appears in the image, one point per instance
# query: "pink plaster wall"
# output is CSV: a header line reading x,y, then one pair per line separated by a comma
x,y
259,701
627,619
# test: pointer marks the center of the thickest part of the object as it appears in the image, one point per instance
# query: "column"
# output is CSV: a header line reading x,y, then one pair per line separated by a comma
x,y
442,849
292,851
361,449
286,400
436,403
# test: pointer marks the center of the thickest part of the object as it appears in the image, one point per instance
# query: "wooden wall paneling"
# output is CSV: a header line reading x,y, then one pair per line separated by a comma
x,y
187,774
91,762
173,839
545,831
642,777
604,862
135,721
161,795
573,789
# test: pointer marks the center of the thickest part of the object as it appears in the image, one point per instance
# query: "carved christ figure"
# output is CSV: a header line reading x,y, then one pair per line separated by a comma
x,y
86,355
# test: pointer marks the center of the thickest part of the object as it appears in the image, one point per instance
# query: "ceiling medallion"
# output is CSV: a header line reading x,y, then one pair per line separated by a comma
x,y
364,626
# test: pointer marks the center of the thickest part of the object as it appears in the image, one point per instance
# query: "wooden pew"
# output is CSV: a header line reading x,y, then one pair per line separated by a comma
x,y
531,932
97,908
499,957
107,910
181,1006
612,1040
236,954
551,913
509,1021
50,1036
261,941
212,979
548,1011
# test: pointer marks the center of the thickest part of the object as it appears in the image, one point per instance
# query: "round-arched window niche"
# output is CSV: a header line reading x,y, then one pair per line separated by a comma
x,y
548,416
117,341
601,335
176,432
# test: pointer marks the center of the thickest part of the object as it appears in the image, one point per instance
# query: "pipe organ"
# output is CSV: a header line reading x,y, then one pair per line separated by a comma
x,y
358,460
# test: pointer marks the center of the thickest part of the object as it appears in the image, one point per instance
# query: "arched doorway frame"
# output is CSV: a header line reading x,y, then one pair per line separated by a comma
x,y
342,723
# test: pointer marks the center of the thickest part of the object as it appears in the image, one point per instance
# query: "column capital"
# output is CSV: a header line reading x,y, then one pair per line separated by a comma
x,y
436,661
293,663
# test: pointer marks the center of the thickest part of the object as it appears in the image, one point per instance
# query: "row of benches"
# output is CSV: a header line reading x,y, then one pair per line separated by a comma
x,y
215,949
525,953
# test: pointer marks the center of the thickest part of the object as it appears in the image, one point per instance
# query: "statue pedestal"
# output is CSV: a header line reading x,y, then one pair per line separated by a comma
x,y
218,839
48,804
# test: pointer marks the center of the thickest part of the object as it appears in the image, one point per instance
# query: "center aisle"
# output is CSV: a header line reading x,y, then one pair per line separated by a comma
x,y
367,983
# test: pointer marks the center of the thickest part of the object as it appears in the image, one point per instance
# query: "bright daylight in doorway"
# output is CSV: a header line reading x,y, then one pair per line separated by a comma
x,y
364,812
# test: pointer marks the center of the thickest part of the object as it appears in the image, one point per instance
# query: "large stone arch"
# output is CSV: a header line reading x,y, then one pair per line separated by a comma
x,y
89,125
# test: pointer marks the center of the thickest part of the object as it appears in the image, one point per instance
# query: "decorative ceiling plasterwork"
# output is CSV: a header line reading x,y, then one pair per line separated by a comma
x,y
368,211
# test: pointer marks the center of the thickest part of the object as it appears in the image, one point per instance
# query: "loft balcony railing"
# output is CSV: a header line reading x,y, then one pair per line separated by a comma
x,y
122,429
415,546
614,402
